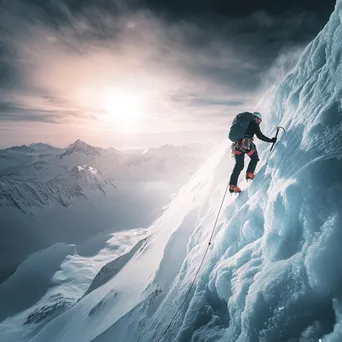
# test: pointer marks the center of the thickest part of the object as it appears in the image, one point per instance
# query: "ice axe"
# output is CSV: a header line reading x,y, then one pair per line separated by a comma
x,y
278,129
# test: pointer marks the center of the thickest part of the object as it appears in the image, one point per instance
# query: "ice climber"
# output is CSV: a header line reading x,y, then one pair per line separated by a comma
x,y
244,126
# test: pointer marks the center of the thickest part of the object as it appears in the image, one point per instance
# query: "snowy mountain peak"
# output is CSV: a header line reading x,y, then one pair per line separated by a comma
x,y
80,144
80,147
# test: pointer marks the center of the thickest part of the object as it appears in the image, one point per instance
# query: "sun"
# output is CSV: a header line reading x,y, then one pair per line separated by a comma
x,y
123,107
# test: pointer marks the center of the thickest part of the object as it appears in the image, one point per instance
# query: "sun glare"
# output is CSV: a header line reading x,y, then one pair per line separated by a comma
x,y
124,108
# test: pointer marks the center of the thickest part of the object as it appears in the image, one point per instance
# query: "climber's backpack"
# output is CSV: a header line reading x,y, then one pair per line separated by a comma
x,y
239,126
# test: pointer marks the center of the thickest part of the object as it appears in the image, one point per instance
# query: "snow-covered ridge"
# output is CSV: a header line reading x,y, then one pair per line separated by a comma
x,y
55,279
109,270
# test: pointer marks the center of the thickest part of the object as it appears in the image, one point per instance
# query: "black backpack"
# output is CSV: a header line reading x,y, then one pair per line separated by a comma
x,y
240,125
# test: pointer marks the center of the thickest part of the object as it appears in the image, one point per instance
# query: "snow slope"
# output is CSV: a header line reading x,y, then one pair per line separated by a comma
x,y
273,270
10,328
150,271
55,279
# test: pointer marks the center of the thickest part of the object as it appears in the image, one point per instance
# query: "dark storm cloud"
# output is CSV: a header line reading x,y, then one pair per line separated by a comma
x,y
254,42
175,9
257,32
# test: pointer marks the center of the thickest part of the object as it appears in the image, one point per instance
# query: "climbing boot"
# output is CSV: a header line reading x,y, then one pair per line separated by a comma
x,y
250,175
234,189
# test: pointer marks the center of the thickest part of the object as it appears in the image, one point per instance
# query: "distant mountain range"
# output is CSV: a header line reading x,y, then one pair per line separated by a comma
x,y
50,194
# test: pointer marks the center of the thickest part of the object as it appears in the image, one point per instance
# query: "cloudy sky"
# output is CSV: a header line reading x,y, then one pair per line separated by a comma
x,y
139,73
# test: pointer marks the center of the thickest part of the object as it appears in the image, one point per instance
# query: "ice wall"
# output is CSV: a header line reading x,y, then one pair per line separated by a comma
x,y
274,271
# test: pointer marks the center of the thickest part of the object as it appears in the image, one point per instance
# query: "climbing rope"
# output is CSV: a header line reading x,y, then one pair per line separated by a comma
x,y
199,268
